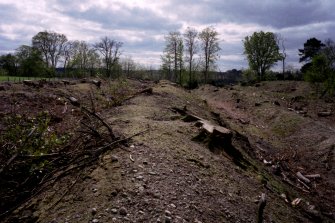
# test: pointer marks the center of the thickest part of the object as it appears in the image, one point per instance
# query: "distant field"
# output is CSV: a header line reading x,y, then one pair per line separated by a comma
x,y
18,79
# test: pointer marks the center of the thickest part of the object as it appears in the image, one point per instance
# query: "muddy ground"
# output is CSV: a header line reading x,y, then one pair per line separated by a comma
x,y
163,169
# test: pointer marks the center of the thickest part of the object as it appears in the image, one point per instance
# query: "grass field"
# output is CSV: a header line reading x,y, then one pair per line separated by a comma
x,y
18,79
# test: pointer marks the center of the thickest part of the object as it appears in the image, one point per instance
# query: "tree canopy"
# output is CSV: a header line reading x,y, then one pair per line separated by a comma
x,y
262,52
311,48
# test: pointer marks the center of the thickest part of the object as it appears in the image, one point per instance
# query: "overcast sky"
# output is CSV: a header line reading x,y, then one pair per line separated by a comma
x,y
142,24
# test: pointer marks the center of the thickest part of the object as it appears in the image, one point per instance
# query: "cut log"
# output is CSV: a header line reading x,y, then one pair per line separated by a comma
x,y
29,83
97,83
74,101
213,129
146,91
324,113
303,178
66,82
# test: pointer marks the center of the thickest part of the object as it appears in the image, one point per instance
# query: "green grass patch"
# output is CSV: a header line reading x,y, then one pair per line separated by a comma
x,y
18,79
286,125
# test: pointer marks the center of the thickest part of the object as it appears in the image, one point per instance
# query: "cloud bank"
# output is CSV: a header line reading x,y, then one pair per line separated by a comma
x,y
142,24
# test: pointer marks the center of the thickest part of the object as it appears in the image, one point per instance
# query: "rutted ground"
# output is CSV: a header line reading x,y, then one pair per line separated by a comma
x,y
162,175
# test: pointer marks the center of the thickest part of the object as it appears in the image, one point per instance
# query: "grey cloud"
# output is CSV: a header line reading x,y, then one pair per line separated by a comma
x,y
8,13
126,18
274,13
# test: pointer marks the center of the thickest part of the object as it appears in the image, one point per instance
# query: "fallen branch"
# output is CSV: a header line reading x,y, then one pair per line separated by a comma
x,y
303,178
144,91
101,120
8,162
305,185
262,204
313,176
41,155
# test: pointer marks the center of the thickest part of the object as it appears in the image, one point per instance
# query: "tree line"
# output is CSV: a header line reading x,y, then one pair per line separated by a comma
x,y
187,57
50,51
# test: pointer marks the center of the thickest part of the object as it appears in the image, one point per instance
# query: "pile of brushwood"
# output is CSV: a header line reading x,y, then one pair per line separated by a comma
x,y
33,158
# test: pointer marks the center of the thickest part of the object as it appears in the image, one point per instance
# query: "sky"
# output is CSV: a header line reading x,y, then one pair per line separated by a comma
x,y
142,24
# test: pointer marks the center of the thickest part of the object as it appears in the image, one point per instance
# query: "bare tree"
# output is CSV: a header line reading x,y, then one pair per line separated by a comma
x,y
173,53
83,58
51,44
281,44
210,48
110,50
68,53
128,65
191,48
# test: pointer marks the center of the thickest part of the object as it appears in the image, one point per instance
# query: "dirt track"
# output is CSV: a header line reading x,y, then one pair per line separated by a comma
x,y
163,175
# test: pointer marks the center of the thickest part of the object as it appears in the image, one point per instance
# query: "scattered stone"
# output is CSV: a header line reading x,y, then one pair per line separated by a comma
x,y
123,211
145,162
167,213
141,212
157,195
95,190
257,104
141,188
152,173
139,177
173,205
95,220
168,219
114,211
276,103
94,211
114,159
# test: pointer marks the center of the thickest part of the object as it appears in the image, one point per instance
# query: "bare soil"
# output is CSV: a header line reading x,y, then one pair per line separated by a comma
x,y
167,173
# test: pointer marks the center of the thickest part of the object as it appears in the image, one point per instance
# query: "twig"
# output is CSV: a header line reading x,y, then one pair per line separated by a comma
x,y
9,162
42,155
101,120
64,194
119,141
305,185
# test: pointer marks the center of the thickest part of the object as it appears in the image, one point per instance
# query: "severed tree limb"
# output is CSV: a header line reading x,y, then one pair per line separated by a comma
x,y
303,178
262,204
313,176
101,120
305,185
9,162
